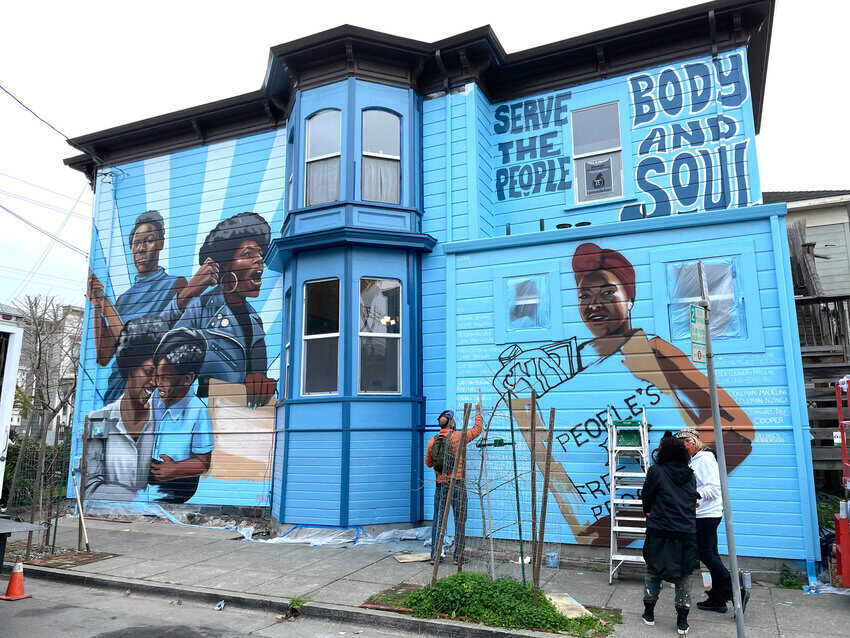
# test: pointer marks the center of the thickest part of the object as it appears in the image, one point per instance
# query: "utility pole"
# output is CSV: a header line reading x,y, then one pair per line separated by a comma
x,y
721,457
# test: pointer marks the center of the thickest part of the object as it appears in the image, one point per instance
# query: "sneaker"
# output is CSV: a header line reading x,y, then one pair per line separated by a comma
x,y
648,614
710,605
682,622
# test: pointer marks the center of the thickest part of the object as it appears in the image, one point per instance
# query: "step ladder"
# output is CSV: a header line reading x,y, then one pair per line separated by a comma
x,y
627,440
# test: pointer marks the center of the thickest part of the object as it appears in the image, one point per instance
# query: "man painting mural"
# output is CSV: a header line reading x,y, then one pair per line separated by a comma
x,y
667,381
121,434
184,437
152,290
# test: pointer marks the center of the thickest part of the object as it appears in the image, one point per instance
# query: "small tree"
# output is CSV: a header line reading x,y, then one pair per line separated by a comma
x,y
22,402
50,357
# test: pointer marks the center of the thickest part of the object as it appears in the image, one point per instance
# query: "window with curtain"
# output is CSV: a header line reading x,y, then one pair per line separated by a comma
x,y
727,303
320,347
597,152
323,157
380,336
381,167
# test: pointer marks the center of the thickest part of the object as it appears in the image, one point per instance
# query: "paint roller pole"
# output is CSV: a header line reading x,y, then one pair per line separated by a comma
x,y
533,446
721,458
460,534
545,498
80,507
516,489
438,552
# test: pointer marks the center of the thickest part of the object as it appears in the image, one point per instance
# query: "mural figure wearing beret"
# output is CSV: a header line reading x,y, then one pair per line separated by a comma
x,y
151,292
236,348
605,281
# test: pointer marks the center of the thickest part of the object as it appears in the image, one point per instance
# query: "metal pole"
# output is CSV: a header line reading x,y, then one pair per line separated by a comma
x,y
721,460
516,489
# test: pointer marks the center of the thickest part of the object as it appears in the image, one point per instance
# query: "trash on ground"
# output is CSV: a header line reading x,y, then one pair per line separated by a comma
x,y
412,558
126,593
280,618
527,560
568,605
220,605
822,588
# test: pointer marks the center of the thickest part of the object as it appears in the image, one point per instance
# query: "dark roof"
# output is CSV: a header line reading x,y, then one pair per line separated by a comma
x,y
476,55
6,309
773,197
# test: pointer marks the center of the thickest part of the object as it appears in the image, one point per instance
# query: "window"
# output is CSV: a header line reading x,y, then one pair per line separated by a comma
x,y
381,176
737,324
527,302
527,305
727,306
380,336
321,337
323,157
597,152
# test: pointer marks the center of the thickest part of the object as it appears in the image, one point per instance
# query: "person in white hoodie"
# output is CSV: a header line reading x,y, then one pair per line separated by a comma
x,y
709,513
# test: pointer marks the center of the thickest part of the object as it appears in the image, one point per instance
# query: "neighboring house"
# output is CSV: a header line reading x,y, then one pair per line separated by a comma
x,y
63,343
398,225
11,338
827,217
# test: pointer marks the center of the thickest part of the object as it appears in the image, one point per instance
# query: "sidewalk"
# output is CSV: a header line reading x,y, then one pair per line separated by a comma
x,y
217,564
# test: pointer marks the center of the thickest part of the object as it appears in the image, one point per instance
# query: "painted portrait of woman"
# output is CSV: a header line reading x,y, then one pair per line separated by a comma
x,y
664,379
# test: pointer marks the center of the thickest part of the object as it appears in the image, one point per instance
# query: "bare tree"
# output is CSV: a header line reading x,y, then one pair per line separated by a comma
x,y
50,357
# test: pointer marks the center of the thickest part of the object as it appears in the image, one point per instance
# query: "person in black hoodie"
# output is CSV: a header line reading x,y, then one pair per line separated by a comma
x,y
670,550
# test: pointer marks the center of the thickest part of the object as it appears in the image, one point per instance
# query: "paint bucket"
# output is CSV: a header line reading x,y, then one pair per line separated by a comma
x,y
550,559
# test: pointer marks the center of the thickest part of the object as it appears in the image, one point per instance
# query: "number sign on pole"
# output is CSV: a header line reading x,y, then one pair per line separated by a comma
x,y
697,321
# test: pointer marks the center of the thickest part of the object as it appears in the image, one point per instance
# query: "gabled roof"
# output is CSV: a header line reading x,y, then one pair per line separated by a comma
x,y
476,55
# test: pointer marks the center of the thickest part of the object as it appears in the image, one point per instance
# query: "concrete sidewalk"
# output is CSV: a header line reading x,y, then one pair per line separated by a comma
x,y
212,564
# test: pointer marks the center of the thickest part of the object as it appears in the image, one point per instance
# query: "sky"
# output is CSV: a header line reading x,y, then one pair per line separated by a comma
x,y
89,66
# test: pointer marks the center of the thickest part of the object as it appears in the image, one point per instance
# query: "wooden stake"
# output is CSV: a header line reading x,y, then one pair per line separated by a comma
x,y
533,447
442,535
545,498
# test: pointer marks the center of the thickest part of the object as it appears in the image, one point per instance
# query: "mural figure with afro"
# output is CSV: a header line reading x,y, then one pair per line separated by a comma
x,y
236,345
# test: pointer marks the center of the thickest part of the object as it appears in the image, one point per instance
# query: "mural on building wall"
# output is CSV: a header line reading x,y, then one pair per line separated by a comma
x,y
661,374
183,409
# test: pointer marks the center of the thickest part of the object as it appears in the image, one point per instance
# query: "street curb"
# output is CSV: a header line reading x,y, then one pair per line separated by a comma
x,y
324,611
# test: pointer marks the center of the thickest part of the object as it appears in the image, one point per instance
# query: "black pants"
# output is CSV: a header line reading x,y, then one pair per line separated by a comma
x,y
721,582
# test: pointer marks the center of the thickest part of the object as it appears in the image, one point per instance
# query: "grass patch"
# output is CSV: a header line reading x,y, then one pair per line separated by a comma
x,y
295,606
392,597
789,578
499,603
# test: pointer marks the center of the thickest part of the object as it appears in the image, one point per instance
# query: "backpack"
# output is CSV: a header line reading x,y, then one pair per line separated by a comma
x,y
438,453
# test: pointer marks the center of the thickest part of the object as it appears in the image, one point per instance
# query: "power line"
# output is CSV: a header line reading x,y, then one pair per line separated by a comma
x,y
45,205
44,188
45,232
22,271
33,113
47,248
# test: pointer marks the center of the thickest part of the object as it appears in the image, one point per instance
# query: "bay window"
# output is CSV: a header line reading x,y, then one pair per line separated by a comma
x,y
380,336
320,345
323,157
381,166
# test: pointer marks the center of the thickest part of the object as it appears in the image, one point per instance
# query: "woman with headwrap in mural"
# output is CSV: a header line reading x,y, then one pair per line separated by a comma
x,y
152,291
236,345
669,384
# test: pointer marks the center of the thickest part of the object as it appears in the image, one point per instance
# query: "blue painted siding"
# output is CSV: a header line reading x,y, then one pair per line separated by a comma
x,y
193,190
754,373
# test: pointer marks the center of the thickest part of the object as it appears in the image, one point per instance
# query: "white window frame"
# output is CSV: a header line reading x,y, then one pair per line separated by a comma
x,y
385,156
383,335
600,152
308,160
305,338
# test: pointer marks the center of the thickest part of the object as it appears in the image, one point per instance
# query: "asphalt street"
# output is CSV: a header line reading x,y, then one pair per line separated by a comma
x,y
58,609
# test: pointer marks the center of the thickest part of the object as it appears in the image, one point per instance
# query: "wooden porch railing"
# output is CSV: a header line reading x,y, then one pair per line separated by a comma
x,y
824,329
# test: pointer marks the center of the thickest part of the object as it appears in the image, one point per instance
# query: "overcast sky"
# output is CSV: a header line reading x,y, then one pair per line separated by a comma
x,y
89,66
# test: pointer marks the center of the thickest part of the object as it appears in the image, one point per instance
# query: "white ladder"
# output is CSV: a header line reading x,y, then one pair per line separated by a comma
x,y
627,518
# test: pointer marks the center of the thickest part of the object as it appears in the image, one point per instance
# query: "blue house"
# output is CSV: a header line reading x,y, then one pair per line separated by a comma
x,y
389,227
